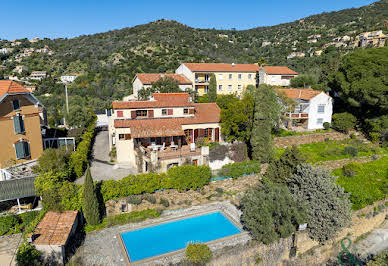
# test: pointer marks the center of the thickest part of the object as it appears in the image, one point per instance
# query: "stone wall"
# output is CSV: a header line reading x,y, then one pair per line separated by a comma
x,y
308,138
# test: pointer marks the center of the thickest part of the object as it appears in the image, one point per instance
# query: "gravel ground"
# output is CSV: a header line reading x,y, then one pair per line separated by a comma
x,y
375,242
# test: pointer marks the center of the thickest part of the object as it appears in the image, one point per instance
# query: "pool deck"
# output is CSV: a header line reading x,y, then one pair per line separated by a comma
x,y
105,247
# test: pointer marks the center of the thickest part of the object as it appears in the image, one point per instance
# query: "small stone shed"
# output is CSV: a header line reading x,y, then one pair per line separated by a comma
x,y
52,234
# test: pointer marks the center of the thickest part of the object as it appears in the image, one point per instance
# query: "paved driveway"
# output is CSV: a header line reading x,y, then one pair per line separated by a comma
x,y
100,167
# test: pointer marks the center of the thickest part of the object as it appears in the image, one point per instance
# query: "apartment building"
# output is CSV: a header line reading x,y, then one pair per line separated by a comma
x,y
145,80
38,75
162,132
372,38
21,117
312,108
233,78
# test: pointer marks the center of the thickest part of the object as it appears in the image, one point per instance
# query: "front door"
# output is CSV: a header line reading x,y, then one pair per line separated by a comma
x,y
195,162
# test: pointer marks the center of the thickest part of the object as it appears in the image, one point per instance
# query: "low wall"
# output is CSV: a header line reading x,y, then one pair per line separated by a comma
x,y
308,138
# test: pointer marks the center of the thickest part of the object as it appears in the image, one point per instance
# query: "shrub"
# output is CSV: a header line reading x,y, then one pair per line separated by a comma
x,y
27,255
219,190
219,152
239,152
8,223
380,259
326,125
350,150
134,200
55,160
236,170
344,122
188,177
270,212
350,169
151,199
90,206
198,253
164,202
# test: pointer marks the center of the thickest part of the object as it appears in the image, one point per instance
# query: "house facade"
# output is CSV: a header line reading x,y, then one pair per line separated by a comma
x,y
162,132
233,78
21,117
68,78
38,75
145,80
312,108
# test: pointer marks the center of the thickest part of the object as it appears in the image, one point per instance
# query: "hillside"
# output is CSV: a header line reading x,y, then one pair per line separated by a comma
x,y
110,60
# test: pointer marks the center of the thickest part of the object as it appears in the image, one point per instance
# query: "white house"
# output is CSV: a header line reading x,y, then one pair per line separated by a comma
x,y
145,80
276,75
38,75
5,50
312,109
68,78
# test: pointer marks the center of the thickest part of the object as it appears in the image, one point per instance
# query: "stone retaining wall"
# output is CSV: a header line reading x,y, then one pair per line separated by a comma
x,y
308,138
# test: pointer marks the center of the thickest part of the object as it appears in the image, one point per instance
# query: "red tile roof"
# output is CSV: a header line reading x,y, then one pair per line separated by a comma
x,y
55,228
303,94
222,67
148,78
160,100
279,70
146,128
9,86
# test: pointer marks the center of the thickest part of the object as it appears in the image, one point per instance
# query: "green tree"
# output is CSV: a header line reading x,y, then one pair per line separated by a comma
x,y
270,212
198,254
162,85
56,160
79,116
266,116
27,255
279,171
343,122
304,81
89,201
212,92
328,206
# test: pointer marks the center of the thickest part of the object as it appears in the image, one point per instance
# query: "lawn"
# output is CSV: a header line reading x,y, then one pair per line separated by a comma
x,y
335,150
369,184
287,133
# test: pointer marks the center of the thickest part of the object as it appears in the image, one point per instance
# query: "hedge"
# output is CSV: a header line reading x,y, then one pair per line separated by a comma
x,y
79,158
239,169
13,224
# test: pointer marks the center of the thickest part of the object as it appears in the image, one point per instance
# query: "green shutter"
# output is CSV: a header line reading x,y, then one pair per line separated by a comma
x,y
20,150
26,149
18,124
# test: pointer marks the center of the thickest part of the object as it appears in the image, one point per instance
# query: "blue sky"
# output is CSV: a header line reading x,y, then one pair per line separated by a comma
x,y
70,18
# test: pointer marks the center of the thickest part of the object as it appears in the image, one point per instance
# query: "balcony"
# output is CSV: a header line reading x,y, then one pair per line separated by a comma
x,y
296,115
202,81
171,153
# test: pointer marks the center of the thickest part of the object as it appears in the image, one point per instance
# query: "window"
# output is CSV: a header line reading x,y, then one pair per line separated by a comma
x,y
22,150
249,76
220,87
239,76
239,87
321,109
206,89
206,77
208,133
186,111
230,87
189,135
18,124
141,113
164,111
319,121
220,77
230,76
120,114
124,136
16,104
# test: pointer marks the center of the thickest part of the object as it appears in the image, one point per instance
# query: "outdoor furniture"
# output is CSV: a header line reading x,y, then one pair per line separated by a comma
x,y
173,146
163,146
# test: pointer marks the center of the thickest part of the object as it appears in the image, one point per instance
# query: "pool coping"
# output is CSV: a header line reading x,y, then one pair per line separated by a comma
x,y
174,219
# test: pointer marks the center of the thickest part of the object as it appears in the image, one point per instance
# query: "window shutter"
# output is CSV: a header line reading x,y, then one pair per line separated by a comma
x,y
201,133
217,134
119,113
26,147
151,113
170,111
191,111
18,124
196,134
133,114
19,148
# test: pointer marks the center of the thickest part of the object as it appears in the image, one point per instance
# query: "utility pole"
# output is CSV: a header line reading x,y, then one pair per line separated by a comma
x,y
67,104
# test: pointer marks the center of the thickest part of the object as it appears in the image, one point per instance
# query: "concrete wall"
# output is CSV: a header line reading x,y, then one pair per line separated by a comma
x,y
177,112
278,80
321,99
136,86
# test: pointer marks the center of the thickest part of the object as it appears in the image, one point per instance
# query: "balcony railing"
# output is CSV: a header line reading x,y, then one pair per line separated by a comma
x,y
297,115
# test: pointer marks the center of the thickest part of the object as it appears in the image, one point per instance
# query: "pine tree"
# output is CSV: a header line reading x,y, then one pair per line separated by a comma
x,y
212,92
89,201
266,116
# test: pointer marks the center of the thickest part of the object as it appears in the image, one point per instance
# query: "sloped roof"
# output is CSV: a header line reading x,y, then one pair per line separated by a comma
x,y
222,67
55,228
11,87
279,70
160,100
160,127
148,78
302,94
17,188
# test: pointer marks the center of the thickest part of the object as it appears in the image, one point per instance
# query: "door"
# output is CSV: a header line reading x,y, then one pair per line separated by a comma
x,y
195,162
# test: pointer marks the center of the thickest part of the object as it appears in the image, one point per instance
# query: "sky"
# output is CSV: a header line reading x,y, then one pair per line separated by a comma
x,y
71,18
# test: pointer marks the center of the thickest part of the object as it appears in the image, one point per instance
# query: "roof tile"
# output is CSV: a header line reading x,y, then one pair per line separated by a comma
x,y
148,78
9,86
160,100
303,94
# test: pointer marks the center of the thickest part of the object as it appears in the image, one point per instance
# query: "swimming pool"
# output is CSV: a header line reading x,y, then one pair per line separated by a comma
x,y
159,239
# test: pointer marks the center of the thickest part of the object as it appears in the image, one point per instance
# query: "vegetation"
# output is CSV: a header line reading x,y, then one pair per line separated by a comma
x,y
89,201
79,117
236,170
266,114
380,259
304,81
212,92
198,253
163,85
13,224
27,255
270,212
367,183
280,170
328,206
56,160
344,122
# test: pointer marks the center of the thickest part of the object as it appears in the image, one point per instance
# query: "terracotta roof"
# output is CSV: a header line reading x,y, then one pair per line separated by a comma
x,y
222,67
303,94
160,100
55,228
9,86
160,127
148,78
279,70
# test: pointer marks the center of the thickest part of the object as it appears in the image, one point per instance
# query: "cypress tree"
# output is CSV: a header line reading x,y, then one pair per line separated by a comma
x,y
89,201
266,115
212,92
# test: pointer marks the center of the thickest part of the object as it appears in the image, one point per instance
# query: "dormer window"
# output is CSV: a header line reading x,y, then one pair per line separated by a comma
x,y
16,104
186,111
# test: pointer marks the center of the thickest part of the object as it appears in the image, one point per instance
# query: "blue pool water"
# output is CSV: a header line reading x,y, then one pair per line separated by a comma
x,y
159,239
